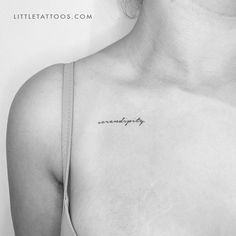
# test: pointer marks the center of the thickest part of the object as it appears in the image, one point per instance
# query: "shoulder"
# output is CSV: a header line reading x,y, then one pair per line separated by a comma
x,y
37,102
34,122
110,65
41,87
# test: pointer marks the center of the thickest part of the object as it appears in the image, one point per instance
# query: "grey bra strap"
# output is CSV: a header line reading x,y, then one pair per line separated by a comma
x,y
67,122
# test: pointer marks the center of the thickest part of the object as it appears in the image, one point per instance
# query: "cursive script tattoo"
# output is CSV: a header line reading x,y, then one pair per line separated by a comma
x,y
124,121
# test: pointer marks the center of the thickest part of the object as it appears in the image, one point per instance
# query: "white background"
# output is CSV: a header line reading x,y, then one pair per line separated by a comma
x,y
27,46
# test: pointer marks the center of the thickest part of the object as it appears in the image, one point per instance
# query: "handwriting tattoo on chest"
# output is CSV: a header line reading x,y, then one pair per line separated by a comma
x,y
123,121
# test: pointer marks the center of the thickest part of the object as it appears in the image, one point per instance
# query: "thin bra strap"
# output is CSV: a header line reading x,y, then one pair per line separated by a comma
x,y
67,122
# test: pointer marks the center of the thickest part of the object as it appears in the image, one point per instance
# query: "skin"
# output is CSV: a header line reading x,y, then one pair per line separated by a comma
x,y
226,8
173,175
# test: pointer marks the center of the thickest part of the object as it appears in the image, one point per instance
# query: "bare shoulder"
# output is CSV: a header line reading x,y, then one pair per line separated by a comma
x,y
34,154
109,65
34,118
34,121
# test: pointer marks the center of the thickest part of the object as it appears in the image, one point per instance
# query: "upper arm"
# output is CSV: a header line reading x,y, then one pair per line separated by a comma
x,y
33,155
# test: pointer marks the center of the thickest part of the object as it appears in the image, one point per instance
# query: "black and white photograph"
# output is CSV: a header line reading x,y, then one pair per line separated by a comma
x,y
118,118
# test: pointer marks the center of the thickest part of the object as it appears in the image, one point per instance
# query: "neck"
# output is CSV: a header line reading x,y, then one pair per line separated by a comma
x,y
186,41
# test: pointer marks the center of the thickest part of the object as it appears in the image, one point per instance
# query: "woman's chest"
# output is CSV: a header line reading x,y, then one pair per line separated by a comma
x,y
174,174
